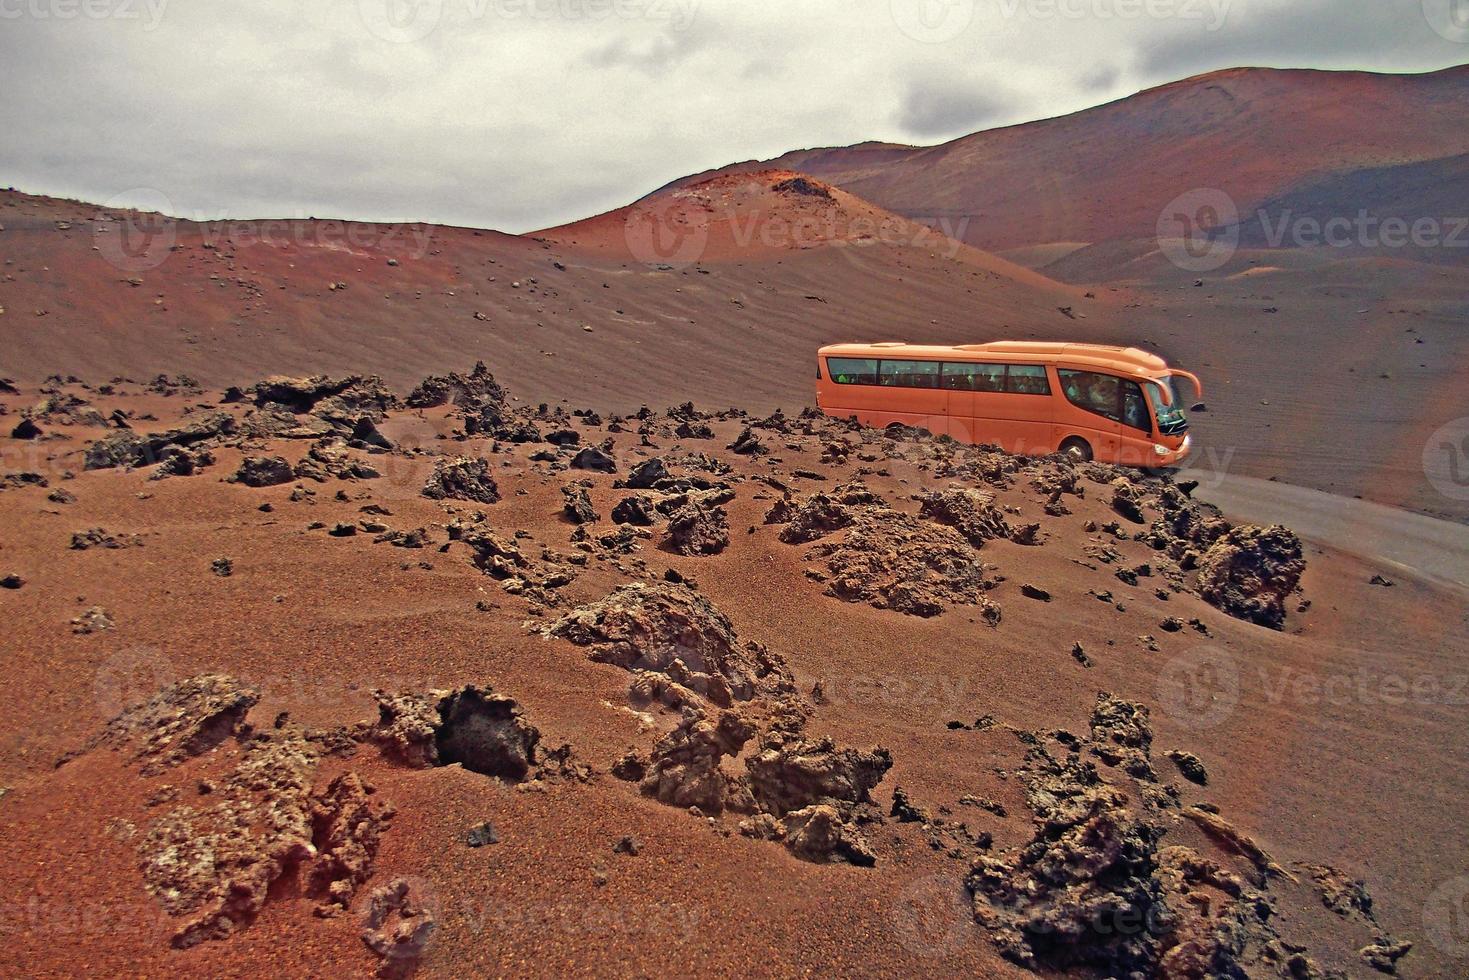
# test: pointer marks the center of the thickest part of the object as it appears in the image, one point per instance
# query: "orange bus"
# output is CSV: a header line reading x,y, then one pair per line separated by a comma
x,y
1112,404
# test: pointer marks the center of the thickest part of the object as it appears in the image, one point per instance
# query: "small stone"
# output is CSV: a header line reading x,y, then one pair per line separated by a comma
x,y
482,834
1191,766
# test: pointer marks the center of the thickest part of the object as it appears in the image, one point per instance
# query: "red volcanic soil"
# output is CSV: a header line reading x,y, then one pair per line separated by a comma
x,y
227,303
1108,172
1331,787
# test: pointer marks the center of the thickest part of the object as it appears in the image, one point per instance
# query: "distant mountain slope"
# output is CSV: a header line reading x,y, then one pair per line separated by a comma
x,y
99,292
1107,172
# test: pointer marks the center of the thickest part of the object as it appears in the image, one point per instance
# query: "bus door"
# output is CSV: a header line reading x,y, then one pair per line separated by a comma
x,y
966,385
1090,401
1026,410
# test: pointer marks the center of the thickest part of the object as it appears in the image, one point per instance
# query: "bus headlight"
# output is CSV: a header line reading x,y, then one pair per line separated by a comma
x,y
1161,450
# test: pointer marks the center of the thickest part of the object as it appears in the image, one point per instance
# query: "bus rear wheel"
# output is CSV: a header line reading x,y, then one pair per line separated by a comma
x,y
1077,450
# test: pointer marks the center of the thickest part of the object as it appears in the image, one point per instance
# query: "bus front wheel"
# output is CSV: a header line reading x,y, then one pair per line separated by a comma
x,y
1077,449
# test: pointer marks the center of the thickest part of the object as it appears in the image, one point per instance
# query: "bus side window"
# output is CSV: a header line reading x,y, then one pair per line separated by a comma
x,y
1135,408
1091,391
852,370
1027,379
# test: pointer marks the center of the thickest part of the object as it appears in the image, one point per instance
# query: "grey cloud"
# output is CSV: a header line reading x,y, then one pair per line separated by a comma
x,y
942,109
1390,34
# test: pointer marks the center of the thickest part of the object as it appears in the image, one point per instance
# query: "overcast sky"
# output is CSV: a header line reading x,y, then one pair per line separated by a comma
x,y
520,114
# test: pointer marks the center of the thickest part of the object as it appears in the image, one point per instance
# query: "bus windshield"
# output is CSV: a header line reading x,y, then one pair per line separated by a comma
x,y
1166,406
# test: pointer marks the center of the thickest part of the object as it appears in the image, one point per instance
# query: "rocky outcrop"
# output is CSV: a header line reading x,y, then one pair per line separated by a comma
x,y
397,926
670,629
462,478
970,512
213,861
685,769
130,448
474,727
181,721
263,471
696,529
1251,571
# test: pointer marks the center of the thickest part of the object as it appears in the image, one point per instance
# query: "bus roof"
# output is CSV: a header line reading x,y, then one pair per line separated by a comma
x,y
1123,360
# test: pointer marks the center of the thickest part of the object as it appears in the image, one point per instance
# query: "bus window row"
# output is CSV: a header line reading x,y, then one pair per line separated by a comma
x,y
1022,379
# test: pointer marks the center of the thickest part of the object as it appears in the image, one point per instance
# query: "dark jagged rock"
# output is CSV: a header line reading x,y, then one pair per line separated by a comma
x,y
818,516
648,474
482,731
129,448
595,459
970,512
1251,571
577,505
748,444
1190,766
636,510
462,478
263,471
695,529
670,629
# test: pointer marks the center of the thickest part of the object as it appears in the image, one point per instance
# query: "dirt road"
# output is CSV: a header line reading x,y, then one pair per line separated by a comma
x,y
1411,543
